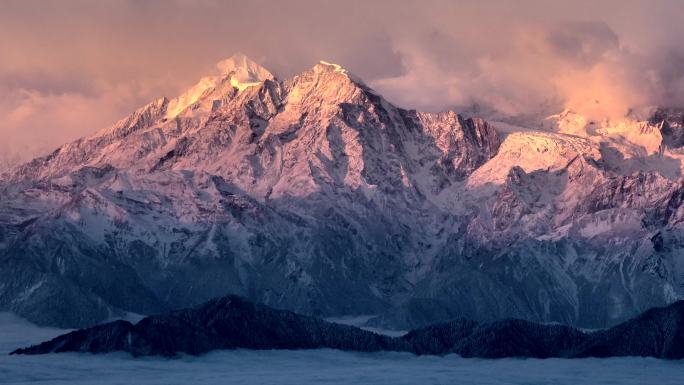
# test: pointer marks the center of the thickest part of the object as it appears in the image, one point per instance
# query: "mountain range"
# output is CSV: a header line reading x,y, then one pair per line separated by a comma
x,y
315,194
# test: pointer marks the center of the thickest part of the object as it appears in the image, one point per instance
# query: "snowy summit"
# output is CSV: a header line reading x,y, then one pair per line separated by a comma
x,y
238,71
243,71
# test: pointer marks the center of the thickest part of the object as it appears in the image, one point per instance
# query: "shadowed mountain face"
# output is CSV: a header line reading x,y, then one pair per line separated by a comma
x,y
232,323
226,323
316,195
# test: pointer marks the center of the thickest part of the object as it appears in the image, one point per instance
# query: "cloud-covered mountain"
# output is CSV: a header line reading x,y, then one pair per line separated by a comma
x,y
316,194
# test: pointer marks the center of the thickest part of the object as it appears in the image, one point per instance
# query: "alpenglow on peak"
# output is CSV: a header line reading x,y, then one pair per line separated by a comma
x,y
244,72
323,66
240,72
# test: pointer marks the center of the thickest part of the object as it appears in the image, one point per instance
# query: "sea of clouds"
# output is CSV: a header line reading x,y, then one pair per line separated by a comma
x,y
311,367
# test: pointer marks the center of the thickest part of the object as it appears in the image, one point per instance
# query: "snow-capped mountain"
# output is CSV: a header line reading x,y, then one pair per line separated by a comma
x,y
316,194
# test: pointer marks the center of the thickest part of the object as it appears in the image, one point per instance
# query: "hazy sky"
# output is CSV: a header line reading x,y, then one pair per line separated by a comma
x,y
68,68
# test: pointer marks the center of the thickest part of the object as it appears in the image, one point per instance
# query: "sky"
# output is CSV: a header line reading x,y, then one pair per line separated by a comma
x,y
71,67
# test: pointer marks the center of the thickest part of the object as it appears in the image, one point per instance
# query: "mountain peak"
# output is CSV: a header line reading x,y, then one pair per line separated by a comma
x,y
243,71
325,66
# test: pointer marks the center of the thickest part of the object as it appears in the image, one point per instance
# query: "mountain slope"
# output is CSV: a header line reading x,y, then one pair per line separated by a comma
x,y
315,194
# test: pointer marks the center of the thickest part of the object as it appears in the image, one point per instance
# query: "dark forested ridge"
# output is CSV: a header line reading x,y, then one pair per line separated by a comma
x,y
232,322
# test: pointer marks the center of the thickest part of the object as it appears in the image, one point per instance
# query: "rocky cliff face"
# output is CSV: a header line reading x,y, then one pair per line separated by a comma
x,y
315,194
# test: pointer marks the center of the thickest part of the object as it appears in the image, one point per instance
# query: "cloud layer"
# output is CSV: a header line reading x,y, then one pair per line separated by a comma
x,y
69,68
